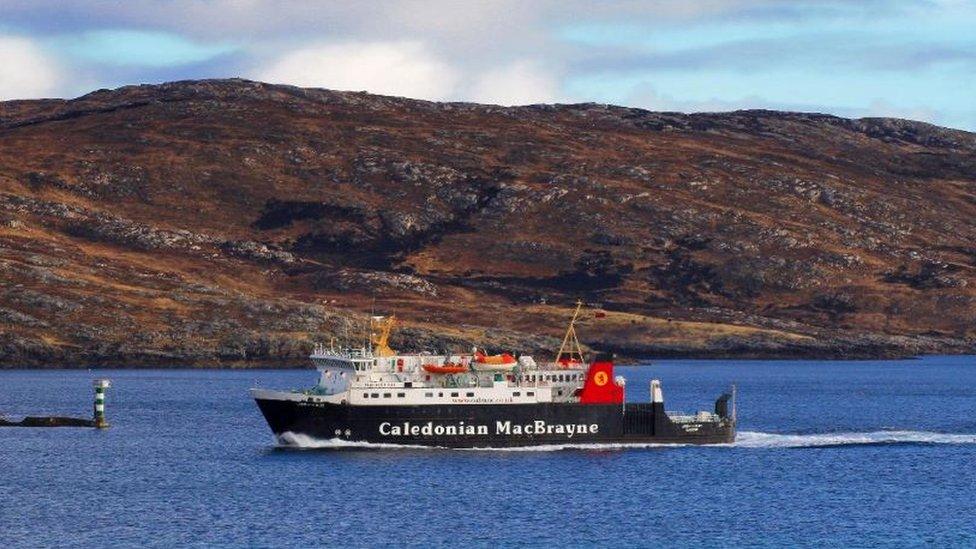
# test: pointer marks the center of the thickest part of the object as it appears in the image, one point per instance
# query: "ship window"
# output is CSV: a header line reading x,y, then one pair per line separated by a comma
x,y
365,395
401,395
559,392
454,394
516,393
429,395
530,393
375,395
440,394
470,394
386,395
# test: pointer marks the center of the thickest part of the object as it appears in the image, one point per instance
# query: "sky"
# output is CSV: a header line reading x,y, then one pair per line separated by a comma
x,y
903,58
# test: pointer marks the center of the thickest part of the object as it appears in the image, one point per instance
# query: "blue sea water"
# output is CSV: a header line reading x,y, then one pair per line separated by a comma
x,y
862,454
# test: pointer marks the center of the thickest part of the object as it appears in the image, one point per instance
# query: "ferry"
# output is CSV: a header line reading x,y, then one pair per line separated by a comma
x,y
373,394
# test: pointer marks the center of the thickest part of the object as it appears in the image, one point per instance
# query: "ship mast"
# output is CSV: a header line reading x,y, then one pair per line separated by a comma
x,y
571,345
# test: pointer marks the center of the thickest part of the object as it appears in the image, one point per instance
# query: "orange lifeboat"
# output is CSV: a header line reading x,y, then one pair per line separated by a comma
x,y
446,368
570,364
493,363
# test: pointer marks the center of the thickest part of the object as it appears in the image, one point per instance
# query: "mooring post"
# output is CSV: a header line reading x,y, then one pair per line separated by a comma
x,y
100,386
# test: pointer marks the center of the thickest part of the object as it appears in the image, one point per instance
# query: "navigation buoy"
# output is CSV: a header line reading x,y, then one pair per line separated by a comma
x,y
100,386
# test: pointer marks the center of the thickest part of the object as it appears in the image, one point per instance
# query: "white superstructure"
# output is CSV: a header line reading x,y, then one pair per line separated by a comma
x,y
364,377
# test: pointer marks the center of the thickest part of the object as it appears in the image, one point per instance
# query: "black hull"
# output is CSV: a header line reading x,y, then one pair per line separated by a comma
x,y
490,426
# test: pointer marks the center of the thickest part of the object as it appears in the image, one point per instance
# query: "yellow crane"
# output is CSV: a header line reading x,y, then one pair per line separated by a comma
x,y
380,328
571,344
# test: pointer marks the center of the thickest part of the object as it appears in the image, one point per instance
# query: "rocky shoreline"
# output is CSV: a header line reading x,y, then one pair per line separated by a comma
x,y
865,348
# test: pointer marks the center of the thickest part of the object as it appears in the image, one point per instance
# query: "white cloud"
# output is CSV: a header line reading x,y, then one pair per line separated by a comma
x,y
390,68
503,22
519,83
408,69
880,107
646,96
25,70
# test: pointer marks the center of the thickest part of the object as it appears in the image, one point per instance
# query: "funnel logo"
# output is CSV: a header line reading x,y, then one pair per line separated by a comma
x,y
600,378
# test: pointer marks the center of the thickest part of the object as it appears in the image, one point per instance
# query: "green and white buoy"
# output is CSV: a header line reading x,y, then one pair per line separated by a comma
x,y
100,386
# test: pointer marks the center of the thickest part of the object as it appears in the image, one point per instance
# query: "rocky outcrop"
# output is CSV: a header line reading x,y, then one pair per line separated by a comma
x,y
229,222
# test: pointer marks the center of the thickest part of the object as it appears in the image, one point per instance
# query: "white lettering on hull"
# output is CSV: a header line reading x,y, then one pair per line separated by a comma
x,y
537,427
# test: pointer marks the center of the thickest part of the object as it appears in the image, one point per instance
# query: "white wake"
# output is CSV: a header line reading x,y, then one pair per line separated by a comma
x,y
745,439
749,439
297,440
300,441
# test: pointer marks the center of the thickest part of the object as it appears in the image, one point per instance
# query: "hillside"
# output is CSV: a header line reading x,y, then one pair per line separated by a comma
x,y
231,222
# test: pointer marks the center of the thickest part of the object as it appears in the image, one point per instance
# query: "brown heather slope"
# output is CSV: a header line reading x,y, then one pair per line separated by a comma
x,y
231,222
